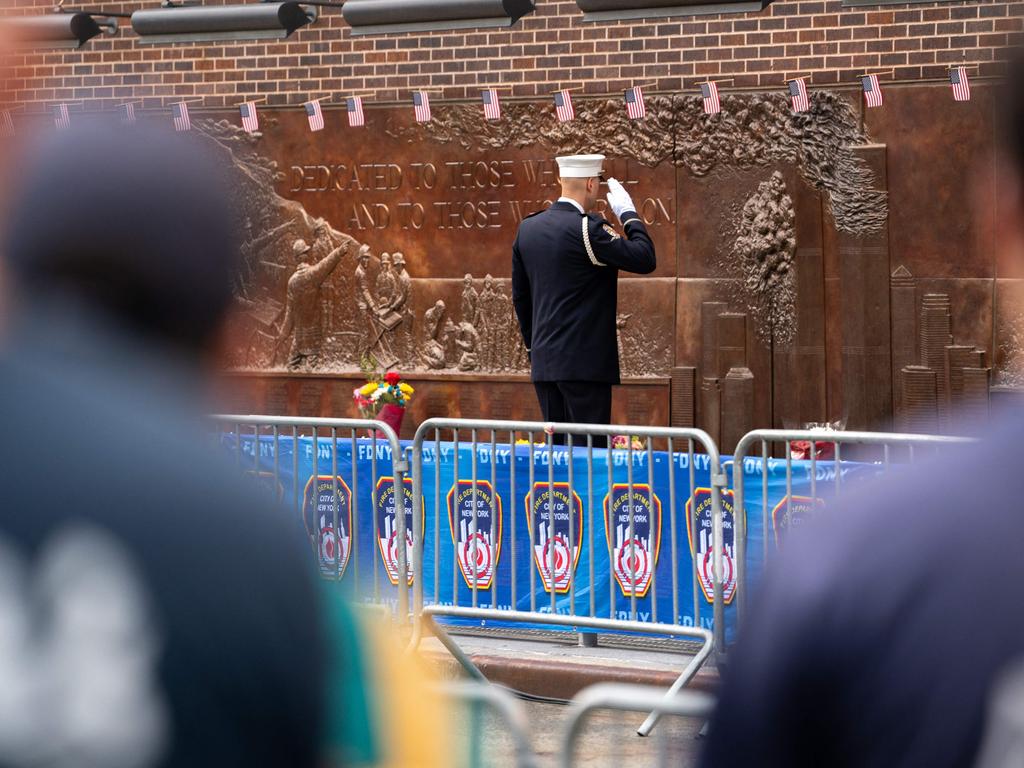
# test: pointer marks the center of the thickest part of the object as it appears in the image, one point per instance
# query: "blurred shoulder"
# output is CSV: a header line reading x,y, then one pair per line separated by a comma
x,y
916,515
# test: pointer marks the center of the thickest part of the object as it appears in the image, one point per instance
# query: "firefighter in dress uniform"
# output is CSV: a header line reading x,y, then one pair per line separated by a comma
x,y
565,268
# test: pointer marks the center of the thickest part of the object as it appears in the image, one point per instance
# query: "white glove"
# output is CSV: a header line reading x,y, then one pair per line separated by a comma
x,y
618,199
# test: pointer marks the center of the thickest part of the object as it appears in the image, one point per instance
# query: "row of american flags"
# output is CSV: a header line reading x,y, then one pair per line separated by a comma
x,y
564,111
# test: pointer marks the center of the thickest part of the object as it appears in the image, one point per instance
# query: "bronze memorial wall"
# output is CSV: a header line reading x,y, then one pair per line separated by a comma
x,y
826,266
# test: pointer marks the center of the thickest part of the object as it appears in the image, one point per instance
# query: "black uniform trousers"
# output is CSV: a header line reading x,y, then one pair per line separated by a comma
x,y
576,402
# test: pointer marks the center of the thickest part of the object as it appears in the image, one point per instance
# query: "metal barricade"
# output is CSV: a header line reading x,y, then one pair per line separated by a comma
x,y
880,451
258,442
509,711
628,698
579,440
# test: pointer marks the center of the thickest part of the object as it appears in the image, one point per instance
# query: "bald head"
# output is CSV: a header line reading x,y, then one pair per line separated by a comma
x,y
583,191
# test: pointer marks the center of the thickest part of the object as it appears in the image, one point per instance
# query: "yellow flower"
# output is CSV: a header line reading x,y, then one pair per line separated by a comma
x,y
368,389
406,389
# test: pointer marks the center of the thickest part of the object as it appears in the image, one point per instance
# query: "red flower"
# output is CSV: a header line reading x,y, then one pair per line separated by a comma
x,y
392,378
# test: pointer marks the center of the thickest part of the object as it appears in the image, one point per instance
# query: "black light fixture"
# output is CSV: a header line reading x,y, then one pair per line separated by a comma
x,y
381,17
63,29
211,23
614,10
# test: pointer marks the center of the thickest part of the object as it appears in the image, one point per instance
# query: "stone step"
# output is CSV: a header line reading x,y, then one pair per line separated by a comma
x,y
558,670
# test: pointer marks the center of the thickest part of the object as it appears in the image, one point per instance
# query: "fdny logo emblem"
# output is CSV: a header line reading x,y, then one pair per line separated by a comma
x,y
477,539
608,228
556,531
699,531
327,515
635,539
388,535
791,515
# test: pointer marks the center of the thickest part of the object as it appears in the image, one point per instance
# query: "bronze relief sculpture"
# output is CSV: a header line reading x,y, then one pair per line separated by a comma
x,y
344,304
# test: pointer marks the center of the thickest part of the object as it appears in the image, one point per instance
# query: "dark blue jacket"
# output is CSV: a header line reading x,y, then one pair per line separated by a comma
x,y
565,269
883,628
101,430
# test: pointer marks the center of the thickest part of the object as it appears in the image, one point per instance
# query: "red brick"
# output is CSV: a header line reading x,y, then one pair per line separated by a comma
x,y
811,35
545,48
886,17
935,14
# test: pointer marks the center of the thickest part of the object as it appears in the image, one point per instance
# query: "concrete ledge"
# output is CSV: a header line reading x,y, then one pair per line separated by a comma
x,y
558,678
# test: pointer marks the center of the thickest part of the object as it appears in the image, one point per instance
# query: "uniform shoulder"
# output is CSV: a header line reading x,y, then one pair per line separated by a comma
x,y
529,221
602,228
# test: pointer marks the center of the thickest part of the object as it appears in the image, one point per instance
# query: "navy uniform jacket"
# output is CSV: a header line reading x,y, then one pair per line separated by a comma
x,y
565,269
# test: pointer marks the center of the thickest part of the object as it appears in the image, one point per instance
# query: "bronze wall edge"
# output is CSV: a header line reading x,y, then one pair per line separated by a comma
x,y
647,381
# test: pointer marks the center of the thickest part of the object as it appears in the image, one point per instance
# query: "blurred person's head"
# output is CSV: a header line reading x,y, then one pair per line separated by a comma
x,y
129,223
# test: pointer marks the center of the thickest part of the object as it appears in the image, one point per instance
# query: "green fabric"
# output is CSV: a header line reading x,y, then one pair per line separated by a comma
x,y
349,733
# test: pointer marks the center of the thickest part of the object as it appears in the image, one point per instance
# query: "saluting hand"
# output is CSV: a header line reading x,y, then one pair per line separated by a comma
x,y
618,199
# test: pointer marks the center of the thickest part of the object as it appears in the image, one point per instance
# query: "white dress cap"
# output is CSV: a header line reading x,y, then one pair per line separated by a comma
x,y
579,166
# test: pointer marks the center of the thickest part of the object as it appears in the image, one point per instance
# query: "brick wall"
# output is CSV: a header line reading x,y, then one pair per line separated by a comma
x,y
549,49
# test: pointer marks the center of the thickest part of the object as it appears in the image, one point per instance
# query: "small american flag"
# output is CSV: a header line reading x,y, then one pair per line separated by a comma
x,y
61,117
127,114
182,122
421,105
961,84
872,90
6,125
315,115
563,106
635,103
798,94
250,117
492,107
354,107
709,92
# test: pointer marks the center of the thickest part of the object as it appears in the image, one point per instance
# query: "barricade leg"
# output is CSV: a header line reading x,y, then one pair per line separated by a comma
x,y
691,669
453,648
576,622
627,698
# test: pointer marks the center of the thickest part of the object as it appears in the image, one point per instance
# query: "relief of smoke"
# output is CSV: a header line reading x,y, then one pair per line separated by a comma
x,y
752,130
763,260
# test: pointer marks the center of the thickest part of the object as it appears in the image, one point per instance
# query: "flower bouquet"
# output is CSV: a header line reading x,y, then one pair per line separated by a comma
x,y
823,450
384,399
627,441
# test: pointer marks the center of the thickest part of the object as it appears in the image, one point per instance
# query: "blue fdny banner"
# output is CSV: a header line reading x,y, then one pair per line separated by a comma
x,y
554,536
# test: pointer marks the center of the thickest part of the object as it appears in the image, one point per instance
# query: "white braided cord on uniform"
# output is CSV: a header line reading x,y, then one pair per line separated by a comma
x,y
586,243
